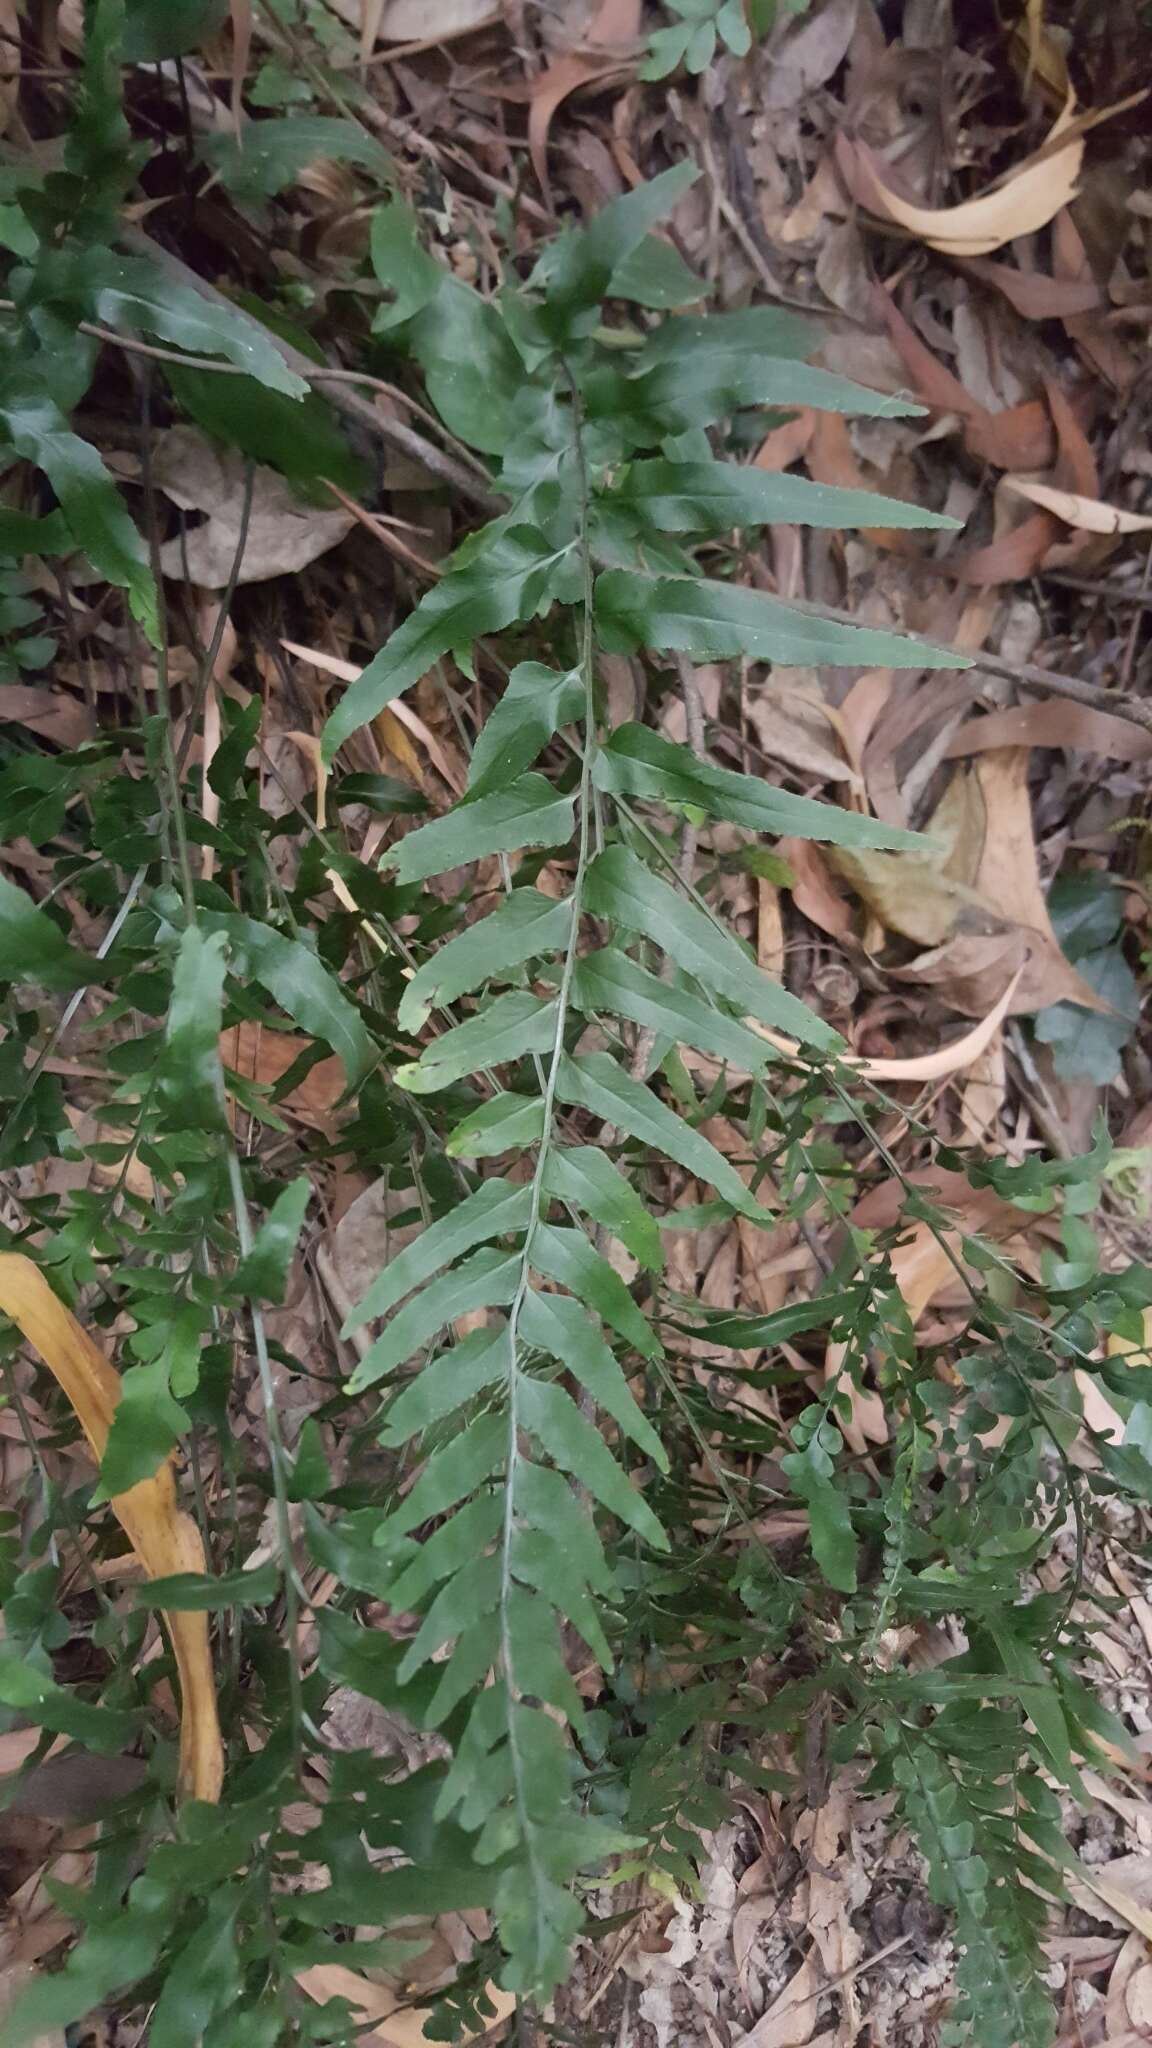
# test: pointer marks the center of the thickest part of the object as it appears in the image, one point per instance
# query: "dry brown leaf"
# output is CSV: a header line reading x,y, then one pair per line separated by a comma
x,y
398,2025
1123,1887
164,1539
1033,295
813,891
366,1238
968,973
831,459
1056,722
1105,350
790,2021
982,1096
1009,877
265,1056
283,534
1019,438
807,54
347,672
1026,201
932,382
52,713
609,45
1091,515
823,1837
793,725
769,929
787,442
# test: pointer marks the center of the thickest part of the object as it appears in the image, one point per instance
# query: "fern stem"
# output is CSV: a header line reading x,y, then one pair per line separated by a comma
x,y
551,1081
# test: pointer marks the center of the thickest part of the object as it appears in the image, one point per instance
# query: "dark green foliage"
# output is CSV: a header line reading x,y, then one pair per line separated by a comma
x,y
541,1537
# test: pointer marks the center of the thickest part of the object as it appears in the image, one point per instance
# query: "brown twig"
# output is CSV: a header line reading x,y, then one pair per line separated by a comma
x,y
1137,710
1099,586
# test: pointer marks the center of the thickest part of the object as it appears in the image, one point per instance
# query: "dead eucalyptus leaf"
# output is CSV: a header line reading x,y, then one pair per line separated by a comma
x,y
916,898
284,534
1009,877
1027,200
1055,722
794,726
790,2020
1091,515
165,1540
609,45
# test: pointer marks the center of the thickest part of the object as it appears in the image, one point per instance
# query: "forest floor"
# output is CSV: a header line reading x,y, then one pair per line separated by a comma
x,y
873,165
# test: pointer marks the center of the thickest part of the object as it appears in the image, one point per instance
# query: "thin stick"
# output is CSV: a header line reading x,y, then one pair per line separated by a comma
x,y
1137,710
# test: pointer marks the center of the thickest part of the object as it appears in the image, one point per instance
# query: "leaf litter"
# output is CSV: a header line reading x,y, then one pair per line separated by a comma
x,y
810,1925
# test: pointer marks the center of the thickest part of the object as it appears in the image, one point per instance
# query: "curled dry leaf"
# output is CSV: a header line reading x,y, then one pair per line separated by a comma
x,y
165,1540
793,724
609,44
1027,200
927,1066
979,909
1091,515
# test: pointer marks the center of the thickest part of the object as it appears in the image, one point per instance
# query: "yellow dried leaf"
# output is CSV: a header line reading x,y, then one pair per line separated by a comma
x,y
1090,515
927,1066
1119,1347
164,1539
1026,201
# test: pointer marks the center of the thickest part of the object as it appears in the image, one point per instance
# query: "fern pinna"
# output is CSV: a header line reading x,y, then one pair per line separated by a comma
x,y
533,1443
